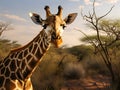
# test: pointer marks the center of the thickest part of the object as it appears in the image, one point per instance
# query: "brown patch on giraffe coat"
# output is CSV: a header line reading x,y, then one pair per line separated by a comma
x,y
28,58
23,64
9,85
32,63
1,65
7,72
42,47
13,65
1,80
25,52
18,63
18,73
38,53
26,72
3,70
12,55
34,48
30,48
16,54
20,56
6,62
13,76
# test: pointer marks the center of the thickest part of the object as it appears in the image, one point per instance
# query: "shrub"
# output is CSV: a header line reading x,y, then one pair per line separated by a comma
x,y
74,71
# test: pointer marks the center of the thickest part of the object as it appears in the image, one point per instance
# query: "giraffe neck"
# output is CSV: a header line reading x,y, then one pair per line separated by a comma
x,y
27,58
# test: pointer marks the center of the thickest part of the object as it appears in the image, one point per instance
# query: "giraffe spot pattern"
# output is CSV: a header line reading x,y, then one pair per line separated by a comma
x,y
17,66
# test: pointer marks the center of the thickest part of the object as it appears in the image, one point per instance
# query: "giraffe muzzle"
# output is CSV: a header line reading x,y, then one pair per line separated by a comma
x,y
56,40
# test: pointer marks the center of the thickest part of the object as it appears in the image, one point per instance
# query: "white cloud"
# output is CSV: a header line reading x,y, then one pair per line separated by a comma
x,y
112,1
100,2
22,33
87,2
14,17
97,4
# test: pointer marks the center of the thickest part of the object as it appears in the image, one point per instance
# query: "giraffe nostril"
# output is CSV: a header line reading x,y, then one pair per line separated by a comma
x,y
58,37
54,36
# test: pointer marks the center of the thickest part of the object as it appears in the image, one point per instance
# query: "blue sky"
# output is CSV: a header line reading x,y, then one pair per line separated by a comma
x,y
16,13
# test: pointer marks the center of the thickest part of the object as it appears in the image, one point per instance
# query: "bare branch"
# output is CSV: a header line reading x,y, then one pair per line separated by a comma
x,y
94,13
106,13
4,27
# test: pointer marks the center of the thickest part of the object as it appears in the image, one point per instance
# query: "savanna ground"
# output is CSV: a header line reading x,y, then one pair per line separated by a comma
x,y
98,82
75,68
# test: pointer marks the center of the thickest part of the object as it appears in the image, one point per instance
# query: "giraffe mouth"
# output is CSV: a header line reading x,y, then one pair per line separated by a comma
x,y
57,42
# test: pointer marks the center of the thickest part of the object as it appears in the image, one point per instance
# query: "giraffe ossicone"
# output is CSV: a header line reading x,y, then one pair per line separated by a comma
x,y
16,69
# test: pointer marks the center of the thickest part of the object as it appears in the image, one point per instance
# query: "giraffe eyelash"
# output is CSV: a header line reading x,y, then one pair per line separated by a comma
x,y
63,25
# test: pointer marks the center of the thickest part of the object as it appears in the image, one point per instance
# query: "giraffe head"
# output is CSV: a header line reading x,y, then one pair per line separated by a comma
x,y
54,24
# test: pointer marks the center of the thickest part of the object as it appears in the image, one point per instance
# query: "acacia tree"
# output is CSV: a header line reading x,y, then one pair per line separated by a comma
x,y
4,26
102,44
5,44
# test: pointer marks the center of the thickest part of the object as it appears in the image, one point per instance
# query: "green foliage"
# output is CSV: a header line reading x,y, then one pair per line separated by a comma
x,y
59,65
6,46
108,25
95,65
81,51
94,39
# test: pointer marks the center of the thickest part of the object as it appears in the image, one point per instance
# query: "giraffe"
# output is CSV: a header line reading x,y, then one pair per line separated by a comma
x,y
16,69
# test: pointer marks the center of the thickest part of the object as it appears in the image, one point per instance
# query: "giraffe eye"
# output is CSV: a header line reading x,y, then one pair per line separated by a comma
x,y
45,26
63,26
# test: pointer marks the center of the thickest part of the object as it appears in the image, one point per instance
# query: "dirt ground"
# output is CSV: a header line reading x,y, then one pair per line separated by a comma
x,y
98,82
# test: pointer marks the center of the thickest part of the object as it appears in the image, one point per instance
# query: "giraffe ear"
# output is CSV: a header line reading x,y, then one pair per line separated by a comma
x,y
70,18
36,18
